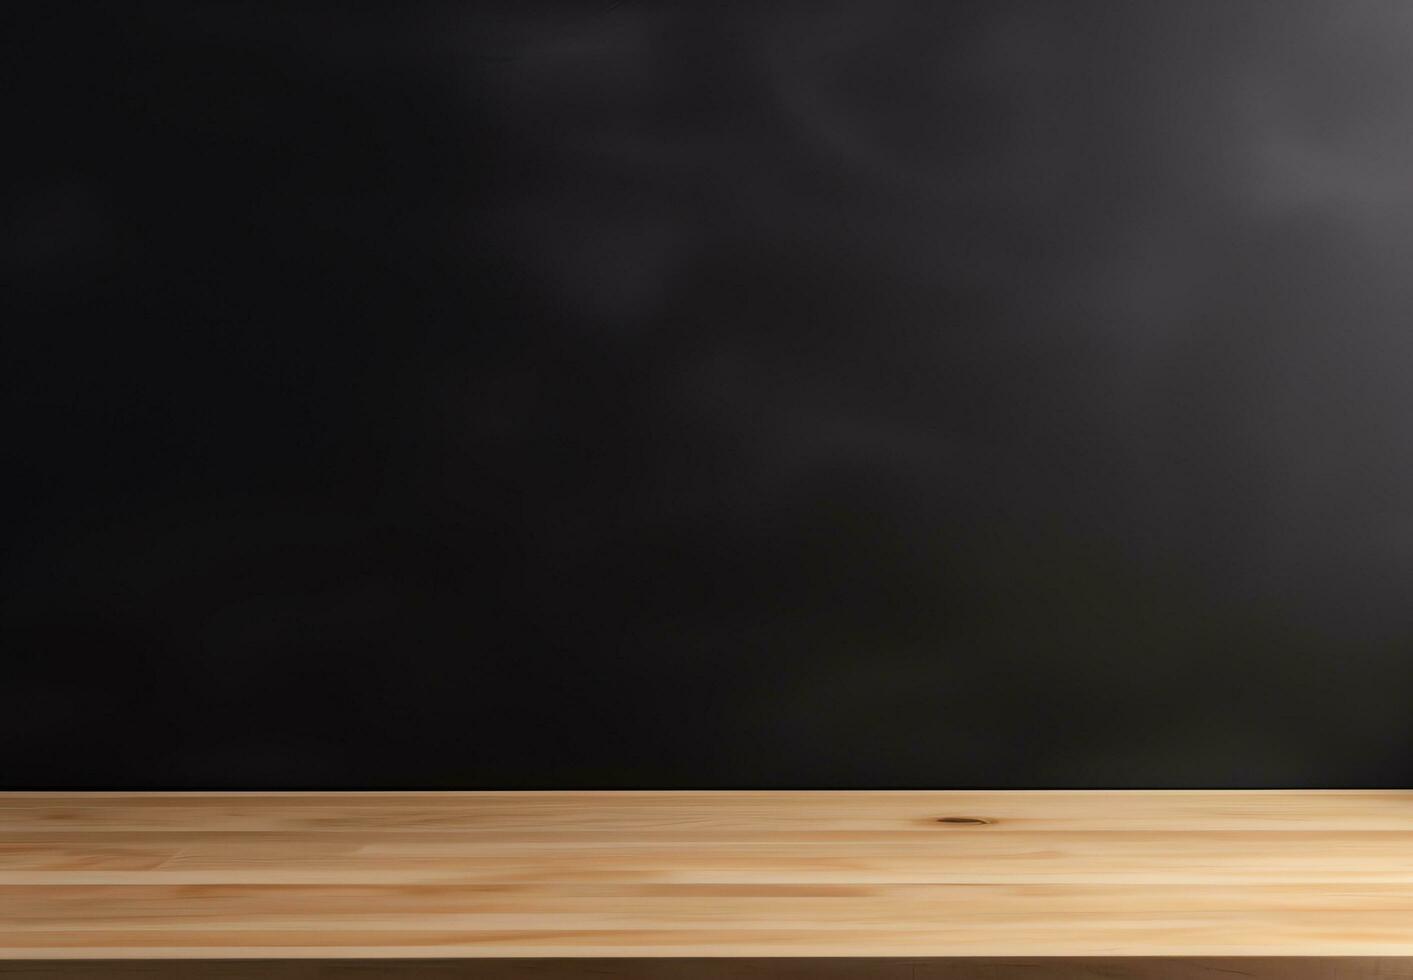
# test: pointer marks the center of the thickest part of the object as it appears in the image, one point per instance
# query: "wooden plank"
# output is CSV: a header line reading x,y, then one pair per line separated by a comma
x,y
1168,878
892,968
1072,857
704,814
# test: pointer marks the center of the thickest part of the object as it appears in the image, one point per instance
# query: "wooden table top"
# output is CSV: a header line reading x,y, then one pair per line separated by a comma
x,y
706,874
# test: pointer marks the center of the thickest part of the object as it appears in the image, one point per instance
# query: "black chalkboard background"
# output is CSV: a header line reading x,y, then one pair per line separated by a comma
x,y
758,394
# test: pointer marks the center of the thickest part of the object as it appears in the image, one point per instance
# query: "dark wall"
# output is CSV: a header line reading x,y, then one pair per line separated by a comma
x,y
777,394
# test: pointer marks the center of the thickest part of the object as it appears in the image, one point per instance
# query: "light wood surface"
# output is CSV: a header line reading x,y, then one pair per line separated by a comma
x,y
715,968
723,879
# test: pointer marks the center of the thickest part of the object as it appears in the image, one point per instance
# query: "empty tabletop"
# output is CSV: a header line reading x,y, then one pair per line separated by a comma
x,y
713,882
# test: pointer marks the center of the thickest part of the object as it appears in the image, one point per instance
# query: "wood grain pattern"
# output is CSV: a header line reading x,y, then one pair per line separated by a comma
x,y
728,878
715,968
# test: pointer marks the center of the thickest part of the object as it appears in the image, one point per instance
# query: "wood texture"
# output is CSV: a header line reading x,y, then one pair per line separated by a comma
x,y
714,968
723,879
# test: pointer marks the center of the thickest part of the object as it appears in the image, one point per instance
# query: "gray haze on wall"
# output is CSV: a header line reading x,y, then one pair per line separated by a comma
x,y
734,394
